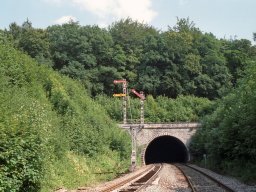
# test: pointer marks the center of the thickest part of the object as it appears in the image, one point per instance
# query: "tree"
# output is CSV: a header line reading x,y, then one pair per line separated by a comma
x,y
129,36
33,41
184,25
67,44
15,32
238,54
101,43
154,61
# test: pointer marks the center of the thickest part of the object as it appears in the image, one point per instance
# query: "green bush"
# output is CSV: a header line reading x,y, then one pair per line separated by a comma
x,y
160,109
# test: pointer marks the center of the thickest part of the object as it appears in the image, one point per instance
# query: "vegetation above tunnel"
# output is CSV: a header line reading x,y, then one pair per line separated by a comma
x,y
158,110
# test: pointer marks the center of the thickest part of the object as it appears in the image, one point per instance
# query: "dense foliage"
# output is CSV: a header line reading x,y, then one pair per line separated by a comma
x,y
229,133
52,133
182,60
160,109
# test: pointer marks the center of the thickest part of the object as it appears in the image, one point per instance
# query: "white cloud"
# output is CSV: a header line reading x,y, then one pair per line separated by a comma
x,y
140,10
65,19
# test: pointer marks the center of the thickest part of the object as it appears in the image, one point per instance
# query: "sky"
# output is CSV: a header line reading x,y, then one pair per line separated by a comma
x,y
230,19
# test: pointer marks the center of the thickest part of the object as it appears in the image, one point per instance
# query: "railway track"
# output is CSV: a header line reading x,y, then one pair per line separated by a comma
x,y
170,177
202,182
137,182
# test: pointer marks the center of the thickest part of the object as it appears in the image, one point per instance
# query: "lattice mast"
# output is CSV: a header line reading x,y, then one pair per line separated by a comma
x,y
125,96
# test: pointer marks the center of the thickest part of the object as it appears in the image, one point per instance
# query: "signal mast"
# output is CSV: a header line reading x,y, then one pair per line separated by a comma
x,y
133,130
142,98
124,95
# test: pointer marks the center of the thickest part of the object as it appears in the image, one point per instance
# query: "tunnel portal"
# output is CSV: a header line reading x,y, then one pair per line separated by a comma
x,y
166,149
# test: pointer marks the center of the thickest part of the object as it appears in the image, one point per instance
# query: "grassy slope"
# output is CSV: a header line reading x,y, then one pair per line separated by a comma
x,y
51,133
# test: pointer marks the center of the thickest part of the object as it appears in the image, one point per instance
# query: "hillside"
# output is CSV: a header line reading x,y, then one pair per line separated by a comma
x,y
229,132
52,133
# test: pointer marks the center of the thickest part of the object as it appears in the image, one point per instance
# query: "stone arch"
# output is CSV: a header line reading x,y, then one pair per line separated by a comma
x,y
162,135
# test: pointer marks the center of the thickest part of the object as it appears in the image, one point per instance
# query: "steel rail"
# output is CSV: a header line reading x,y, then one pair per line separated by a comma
x,y
142,182
219,183
128,180
213,179
150,180
187,178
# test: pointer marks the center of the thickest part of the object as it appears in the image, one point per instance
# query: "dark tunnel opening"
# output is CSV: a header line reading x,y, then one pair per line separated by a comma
x,y
166,149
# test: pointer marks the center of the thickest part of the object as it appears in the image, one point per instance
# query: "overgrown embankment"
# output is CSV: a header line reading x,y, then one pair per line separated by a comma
x,y
51,133
228,134
159,109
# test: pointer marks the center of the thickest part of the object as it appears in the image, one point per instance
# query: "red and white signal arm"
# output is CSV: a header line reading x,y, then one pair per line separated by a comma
x,y
119,81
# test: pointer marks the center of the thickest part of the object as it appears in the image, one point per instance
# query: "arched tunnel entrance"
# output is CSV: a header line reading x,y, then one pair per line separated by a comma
x,y
166,149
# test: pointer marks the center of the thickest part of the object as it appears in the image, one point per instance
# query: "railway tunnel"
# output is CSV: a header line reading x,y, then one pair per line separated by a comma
x,y
166,149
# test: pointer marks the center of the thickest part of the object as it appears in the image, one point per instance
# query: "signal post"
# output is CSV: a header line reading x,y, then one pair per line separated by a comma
x,y
133,130
124,95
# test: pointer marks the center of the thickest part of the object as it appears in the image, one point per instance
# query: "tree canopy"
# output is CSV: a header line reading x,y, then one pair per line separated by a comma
x,y
180,61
